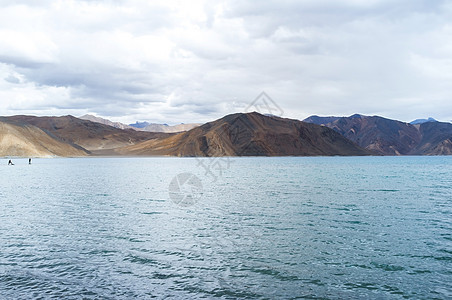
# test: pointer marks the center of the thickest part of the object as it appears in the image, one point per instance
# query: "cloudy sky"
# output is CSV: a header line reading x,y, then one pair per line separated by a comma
x,y
194,61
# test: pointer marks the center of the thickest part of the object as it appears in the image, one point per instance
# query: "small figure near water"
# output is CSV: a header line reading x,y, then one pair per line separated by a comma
x,y
29,161
10,163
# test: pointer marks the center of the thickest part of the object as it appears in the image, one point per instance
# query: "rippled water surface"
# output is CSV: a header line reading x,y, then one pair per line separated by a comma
x,y
262,228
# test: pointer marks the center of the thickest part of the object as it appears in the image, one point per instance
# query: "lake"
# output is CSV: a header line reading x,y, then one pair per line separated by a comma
x,y
226,228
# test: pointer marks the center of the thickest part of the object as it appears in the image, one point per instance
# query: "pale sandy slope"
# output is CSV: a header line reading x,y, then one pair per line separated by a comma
x,y
170,129
30,141
106,122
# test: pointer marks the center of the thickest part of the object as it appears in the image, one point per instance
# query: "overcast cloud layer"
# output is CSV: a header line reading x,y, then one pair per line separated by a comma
x,y
194,61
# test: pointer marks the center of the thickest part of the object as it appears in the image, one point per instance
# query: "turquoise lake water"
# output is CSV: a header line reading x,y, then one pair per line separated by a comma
x,y
248,228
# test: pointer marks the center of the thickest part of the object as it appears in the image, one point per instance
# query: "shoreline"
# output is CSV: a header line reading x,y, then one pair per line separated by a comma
x,y
207,157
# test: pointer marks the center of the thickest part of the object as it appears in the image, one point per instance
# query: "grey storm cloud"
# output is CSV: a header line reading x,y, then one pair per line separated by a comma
x,y
175,61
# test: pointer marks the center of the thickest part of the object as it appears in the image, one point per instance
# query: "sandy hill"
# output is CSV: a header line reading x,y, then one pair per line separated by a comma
x,y
250,134
169,128
105,122
92,136
30,141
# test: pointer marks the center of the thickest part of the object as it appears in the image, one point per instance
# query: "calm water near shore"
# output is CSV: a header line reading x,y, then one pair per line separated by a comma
x,y
259,228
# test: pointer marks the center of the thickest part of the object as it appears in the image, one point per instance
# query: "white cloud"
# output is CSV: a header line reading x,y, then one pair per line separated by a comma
x,y
186,61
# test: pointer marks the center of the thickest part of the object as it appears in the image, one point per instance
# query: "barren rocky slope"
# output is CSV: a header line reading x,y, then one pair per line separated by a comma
x,y
89,135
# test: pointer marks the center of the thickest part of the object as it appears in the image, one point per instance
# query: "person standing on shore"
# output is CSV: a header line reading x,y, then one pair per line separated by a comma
x,y
29,161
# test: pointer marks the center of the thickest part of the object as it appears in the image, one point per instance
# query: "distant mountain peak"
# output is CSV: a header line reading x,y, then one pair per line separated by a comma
x,y
421,121
140,124
355,116
155,127
104,121
320,120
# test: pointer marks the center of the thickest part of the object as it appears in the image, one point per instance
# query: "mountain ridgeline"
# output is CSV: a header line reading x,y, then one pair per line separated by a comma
x,y
391,137
250,134
142,126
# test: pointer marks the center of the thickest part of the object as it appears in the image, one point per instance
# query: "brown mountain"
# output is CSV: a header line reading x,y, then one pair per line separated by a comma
x,y
436,139
391,137
30,141
385,136
95,137
250,134
320,120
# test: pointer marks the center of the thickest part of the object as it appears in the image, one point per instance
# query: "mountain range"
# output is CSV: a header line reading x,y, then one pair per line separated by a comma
x,y
391,137
143,126
250,134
